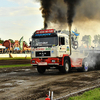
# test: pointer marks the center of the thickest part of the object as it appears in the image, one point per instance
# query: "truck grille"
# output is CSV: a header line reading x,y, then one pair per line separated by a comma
x,y
42,53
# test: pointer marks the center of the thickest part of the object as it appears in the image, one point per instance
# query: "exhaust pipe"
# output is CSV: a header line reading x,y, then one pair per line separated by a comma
x,y
70,39
45,25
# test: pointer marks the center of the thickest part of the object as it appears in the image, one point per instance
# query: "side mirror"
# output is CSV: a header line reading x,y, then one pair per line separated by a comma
x,y
30,41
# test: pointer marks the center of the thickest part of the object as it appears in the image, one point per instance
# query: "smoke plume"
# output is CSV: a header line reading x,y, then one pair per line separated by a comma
x,y
88,10
71,4
66,11
57,11
46,10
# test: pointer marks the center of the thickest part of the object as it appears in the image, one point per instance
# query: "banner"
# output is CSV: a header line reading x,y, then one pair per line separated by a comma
x,y
21,43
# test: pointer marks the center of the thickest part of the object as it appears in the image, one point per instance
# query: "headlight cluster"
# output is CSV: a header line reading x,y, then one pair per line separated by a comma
x,y
33,61
53,61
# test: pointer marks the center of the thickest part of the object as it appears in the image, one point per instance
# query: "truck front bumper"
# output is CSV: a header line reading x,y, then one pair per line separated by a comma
x,y
45,61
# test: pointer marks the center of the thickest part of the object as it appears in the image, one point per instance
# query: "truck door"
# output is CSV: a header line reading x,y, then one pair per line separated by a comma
x,y
67,46
62,46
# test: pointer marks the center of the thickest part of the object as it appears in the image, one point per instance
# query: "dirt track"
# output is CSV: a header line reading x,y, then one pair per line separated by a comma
x,y
27,84
14,62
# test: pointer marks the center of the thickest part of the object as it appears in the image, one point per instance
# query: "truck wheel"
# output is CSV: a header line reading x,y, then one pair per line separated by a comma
x,y
79,70
41,69
85,66
65,68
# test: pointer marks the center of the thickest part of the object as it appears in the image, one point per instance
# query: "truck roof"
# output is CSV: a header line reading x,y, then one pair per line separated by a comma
x,y
59,32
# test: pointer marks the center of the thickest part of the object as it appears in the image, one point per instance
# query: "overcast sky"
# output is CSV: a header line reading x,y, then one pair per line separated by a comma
x,y
19,18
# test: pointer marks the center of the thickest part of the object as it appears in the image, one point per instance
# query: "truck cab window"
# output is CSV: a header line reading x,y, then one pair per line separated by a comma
x,y
61,41
66,41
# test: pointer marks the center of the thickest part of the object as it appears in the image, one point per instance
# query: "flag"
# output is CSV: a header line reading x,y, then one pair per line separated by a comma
x,y
21,43
76,34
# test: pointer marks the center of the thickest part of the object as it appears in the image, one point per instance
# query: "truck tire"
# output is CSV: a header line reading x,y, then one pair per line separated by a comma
x,y
41,69
80,70
66,67
85,66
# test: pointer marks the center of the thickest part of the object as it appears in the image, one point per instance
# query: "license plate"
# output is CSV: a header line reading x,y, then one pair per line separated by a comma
x,y
42,63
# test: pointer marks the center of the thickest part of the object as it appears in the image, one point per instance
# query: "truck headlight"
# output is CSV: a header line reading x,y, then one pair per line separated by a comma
x,y
33,61
53,61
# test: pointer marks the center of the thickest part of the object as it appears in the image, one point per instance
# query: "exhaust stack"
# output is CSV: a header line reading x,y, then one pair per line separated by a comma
x,y
70,39
45,25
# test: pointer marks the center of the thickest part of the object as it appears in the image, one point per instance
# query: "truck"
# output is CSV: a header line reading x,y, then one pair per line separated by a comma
x,y
51,48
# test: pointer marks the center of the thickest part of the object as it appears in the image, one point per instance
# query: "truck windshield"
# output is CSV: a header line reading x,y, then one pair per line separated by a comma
x,y
45,42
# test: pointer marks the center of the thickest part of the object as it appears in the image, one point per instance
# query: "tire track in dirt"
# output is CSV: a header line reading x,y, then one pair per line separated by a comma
x,y
28,84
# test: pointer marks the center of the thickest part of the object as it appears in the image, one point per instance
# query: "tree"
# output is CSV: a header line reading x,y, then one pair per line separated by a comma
x,y
1,41
96,40
86,40
12,41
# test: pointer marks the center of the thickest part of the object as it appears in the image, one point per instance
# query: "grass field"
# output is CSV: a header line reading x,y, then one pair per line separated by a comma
x,y
90,95
11,66
16,58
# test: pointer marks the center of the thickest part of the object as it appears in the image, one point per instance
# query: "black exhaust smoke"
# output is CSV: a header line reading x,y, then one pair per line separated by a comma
x,y
63,11
57,11
45,7
88,10
71,10
71,5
